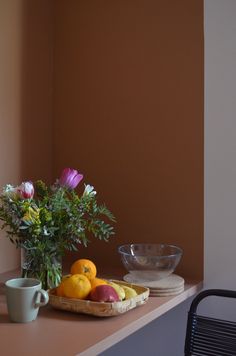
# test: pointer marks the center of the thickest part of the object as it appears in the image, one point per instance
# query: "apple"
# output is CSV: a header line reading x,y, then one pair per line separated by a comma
x,y
104,293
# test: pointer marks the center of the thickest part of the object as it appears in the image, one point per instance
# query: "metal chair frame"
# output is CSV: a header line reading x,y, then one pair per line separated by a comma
x,y
207,336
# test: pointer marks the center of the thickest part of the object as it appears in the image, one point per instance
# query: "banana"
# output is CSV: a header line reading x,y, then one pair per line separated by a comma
x,y
129,292
119,290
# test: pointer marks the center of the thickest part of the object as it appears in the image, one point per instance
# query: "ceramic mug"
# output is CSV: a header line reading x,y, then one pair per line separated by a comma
x,y
24,297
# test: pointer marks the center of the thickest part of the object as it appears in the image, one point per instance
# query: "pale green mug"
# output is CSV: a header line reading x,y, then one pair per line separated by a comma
x,y
24,297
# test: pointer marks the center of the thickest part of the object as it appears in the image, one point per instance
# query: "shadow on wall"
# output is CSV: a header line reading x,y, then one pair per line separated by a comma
x,y
25,99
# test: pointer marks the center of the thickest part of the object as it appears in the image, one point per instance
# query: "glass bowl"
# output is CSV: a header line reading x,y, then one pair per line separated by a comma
x,y
150,262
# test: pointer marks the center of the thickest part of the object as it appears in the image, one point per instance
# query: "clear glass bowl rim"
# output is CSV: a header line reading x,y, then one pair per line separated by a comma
x,y
179,251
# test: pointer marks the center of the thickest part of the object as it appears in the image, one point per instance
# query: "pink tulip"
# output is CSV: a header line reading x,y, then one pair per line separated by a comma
x,y
70,178
26,190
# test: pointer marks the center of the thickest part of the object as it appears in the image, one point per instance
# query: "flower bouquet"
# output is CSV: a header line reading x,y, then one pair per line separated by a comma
x,y
46,221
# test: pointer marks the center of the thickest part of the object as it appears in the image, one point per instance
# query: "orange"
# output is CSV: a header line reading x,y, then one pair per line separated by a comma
x,y
60,288
85,267
97,282
76,286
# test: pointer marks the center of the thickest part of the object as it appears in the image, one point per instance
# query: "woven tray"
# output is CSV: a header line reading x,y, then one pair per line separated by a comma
x,y
100,308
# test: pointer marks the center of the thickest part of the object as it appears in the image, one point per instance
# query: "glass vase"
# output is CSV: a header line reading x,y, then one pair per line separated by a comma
x,y
44,266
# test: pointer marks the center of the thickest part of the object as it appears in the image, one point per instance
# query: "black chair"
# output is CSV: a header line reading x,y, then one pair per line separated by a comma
x,y
207,336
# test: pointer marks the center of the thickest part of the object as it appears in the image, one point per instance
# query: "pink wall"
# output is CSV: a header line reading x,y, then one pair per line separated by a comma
x,y
25,99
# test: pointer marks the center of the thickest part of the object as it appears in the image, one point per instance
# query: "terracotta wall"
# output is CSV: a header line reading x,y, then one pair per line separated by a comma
x,y
25,99
128,113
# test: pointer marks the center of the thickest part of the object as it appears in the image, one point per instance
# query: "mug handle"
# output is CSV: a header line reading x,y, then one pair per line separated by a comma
x,y
41,298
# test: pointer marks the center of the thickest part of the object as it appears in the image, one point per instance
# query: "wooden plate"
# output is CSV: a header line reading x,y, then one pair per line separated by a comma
x,y
100,308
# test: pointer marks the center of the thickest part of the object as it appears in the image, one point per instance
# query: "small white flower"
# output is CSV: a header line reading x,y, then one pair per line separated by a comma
x,y
10,192
89,190
45,231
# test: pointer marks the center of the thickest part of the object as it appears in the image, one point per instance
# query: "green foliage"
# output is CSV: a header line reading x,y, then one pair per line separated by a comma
x,y
54,220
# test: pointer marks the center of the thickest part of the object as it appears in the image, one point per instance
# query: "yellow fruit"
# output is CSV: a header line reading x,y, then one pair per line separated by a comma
x,y
119,289
60,288
97,282
77,286
129,292
85,267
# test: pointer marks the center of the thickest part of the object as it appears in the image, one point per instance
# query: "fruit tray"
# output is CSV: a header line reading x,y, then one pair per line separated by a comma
x,y
102,309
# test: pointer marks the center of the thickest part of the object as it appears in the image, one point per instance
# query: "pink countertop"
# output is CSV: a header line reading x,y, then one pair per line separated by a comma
x,y
60,333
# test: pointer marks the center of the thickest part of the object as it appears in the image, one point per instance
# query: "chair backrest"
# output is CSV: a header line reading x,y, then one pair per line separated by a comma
x,y
207,336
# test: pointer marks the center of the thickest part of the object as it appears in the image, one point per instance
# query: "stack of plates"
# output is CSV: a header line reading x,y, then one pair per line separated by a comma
x,y
165,287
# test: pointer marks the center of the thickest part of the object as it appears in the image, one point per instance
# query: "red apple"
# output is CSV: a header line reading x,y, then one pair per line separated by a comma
x,y
104,293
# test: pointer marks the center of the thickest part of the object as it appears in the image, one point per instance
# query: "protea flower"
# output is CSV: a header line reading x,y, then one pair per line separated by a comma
x,y
26,190
70,178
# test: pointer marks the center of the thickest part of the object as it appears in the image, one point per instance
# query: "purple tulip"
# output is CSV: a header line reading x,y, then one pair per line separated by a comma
x,y
70,178
26,190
